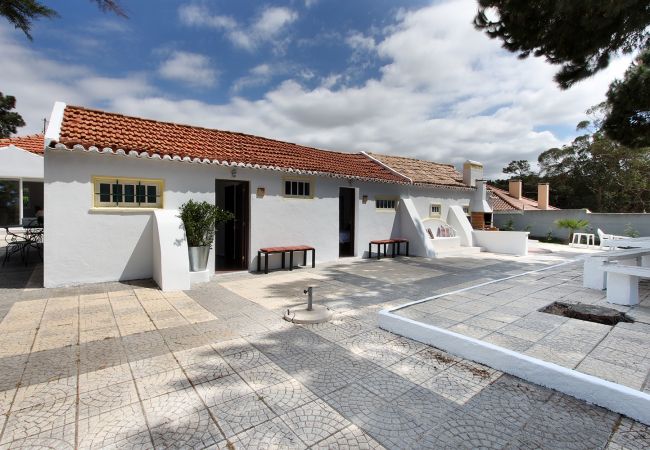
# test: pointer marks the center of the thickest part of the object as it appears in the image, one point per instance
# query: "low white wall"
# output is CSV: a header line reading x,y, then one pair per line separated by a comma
x,y
171,265
540,223
508,242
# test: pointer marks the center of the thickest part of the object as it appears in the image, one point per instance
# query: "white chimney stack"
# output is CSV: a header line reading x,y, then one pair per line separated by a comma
x,y
472,171
542,195
514,189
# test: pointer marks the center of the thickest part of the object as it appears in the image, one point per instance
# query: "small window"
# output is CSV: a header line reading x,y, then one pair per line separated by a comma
x,y
127,193
435,210
385,204
298,188
466,210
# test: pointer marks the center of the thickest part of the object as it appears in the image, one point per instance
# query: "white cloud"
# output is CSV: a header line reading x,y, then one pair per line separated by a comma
x,y
445,92
257,76
191,68
358,41
267,26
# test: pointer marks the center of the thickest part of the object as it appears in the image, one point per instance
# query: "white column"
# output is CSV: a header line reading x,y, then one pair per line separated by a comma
x,y
593,276
20,201
622,289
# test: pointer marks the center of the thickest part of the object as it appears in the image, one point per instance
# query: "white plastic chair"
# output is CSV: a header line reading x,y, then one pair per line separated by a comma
x,y
602,236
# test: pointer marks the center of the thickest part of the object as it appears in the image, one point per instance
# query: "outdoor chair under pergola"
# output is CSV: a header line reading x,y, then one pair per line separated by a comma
x,y
31,237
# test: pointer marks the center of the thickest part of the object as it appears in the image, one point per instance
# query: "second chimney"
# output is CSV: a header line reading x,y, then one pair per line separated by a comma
x,y
514,189
542,195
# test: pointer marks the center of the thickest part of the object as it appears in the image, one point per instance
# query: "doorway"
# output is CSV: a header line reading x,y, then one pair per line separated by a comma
x,y
347,203
231,238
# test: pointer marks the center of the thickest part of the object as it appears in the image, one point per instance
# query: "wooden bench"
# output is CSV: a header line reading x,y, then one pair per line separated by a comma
x,y
623,283
385,243
284,250
594,277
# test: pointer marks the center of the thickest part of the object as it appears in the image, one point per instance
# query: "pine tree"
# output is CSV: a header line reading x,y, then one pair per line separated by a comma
x,y
9,120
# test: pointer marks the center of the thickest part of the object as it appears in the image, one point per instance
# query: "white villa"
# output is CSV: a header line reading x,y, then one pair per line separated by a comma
x,y
21,179
107,175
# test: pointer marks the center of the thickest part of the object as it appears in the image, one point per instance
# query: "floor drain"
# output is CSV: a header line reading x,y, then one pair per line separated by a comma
x,y
588,313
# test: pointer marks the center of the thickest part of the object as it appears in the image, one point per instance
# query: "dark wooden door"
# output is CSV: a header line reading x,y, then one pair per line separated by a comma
x,y
347,200
236,230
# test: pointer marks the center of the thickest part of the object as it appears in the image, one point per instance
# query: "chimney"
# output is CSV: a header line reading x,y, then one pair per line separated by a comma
x,y
472,171
479,205
542,195
514,189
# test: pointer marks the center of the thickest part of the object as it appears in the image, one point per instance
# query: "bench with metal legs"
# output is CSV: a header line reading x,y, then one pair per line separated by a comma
x,y
385,243
284,250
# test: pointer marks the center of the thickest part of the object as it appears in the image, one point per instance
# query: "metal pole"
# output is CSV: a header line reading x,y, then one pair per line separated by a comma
x,y
309,292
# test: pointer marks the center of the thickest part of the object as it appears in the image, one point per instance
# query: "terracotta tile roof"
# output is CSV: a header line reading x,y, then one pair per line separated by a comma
x,y
423,172
93,128
501,200
34,143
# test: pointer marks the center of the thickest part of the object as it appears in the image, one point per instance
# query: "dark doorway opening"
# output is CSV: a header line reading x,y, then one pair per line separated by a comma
x,y
347,203
231,238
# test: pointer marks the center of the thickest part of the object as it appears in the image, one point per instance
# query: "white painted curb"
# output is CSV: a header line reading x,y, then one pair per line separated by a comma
x,y
613,396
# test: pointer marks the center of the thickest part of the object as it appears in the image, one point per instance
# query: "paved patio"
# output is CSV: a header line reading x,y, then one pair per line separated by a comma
x,y
508,314
124,365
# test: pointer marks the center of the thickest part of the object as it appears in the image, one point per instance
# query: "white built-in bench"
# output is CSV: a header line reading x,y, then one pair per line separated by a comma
x,y
594,276
623,283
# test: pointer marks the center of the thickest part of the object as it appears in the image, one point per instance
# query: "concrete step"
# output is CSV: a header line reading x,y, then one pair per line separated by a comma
x,y
458,251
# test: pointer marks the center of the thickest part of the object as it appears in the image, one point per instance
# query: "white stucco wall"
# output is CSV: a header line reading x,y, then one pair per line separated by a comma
x,y
19,163
84,245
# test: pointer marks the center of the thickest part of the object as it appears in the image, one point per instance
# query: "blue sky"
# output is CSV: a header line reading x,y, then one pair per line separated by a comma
x,y
407,78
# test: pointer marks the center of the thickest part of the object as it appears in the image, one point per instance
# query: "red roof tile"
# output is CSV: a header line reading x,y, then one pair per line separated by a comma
x,y
101,129
501,200
423,172
34,143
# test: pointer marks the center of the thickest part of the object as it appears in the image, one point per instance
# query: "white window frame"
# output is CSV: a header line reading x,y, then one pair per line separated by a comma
x,y
437,213
386,203
298,184
140,188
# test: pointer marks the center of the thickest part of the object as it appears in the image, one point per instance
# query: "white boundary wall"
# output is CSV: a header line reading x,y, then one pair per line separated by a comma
x,y
541,222
85,245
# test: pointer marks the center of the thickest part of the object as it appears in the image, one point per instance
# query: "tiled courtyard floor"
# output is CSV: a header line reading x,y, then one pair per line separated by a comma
x,y
507,314
125,366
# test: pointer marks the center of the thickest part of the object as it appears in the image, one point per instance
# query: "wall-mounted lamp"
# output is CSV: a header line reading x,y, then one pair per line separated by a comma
x,y
260,192
233,172
364,199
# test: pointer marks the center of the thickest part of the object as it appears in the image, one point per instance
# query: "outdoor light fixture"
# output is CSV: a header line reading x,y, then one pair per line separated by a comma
x,y
364,199
233,172
260,192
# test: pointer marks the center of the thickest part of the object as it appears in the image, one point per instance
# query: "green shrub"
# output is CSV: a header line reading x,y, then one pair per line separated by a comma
x,y
572,225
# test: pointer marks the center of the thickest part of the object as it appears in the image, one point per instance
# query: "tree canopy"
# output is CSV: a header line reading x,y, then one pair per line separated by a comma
x,y
9,120
22,13
579,35
628,105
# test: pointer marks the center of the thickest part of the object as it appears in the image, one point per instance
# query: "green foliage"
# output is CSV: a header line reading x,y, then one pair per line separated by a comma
x,y
519,168
627,107
572,225
509,225
21,13
579,35
630,231
9,120
200,220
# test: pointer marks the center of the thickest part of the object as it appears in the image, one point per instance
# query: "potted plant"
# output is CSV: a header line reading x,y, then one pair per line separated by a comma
x,y
200,220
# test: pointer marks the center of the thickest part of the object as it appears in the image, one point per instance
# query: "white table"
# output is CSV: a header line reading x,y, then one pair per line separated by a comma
x,y
577,239
640,242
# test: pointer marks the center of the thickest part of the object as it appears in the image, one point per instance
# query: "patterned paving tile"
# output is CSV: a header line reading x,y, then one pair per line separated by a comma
x,y
164,408
49,392
264,376
314,421
284,397
349,438
162,383
221,390
113,396
241,414
122,428
196,430
40,419
150,366
271,434
629,435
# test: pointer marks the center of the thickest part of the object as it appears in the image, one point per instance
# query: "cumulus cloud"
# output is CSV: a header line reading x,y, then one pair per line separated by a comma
x,y
191,68
445,92
267,26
